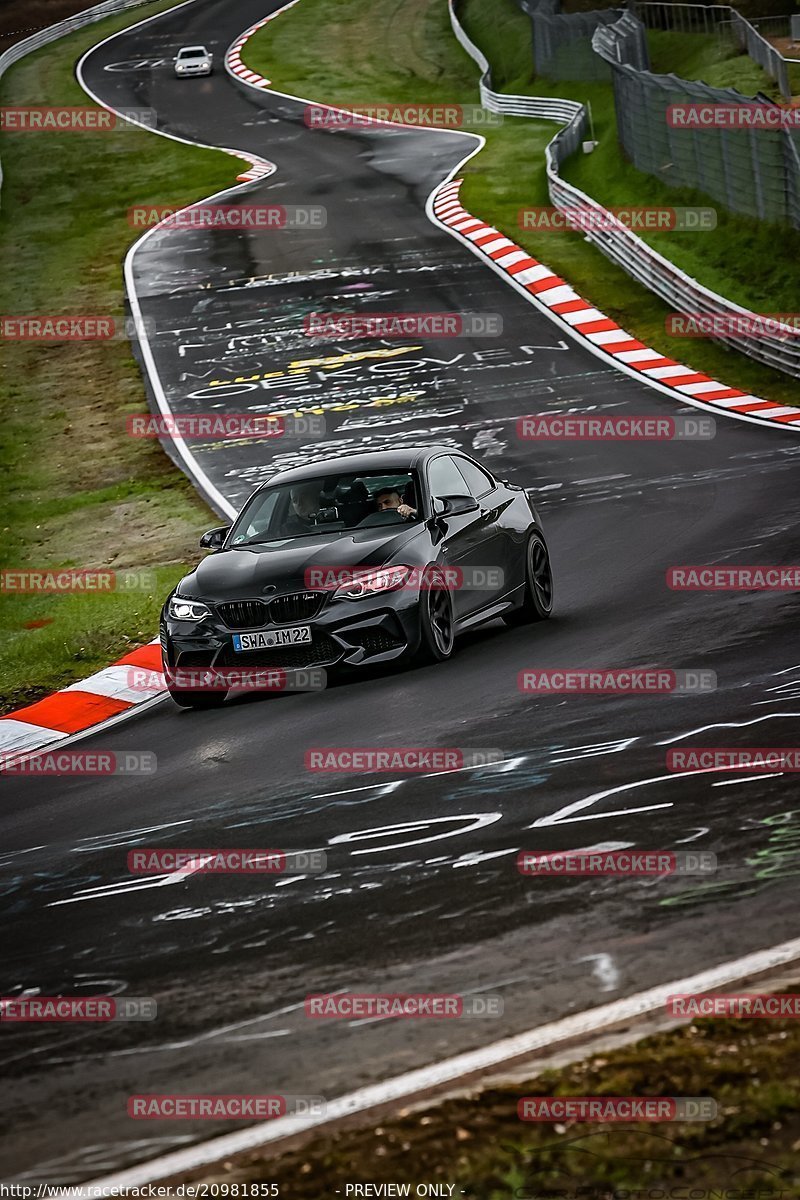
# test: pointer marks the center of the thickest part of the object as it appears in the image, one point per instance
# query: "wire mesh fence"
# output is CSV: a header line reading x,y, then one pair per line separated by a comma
x,y
562,42
750,166
722,21
625,41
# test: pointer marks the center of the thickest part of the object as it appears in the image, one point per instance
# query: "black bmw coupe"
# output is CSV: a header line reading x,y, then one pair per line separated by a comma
x,y
355,561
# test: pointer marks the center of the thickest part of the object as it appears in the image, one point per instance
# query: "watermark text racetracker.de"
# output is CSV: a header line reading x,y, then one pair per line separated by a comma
x,y
226,861
350,326
734,758
226,679
211,426
219,1107
781,326
578,863
69,580
380,113
580,428
74,119
81,1009
413,1006
587,218
233,218
750,116
642,681
358,582
757,1005
410,759
605,1109
75,327
715,577
79,762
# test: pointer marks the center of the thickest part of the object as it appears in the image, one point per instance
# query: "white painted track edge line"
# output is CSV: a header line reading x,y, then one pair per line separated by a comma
x,y
449,1070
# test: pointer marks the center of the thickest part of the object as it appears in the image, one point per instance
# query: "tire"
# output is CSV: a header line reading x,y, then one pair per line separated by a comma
x,y
437,637
538,602
198,699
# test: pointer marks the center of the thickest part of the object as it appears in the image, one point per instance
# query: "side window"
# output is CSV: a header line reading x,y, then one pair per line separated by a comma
x,y
259,516
444,478
478,482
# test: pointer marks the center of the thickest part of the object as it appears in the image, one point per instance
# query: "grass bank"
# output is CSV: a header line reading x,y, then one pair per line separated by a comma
x,y
77,491
340,52
750,1149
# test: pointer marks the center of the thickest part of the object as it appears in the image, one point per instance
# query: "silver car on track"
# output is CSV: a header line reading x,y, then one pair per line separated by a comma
x,y
193,60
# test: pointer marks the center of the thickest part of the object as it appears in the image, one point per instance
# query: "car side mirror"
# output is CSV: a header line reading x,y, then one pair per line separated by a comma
x,y
212,539
454,506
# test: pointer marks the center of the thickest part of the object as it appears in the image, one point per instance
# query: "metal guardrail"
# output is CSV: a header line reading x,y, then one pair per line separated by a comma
x,y
616,241
779,27
52,33
541,108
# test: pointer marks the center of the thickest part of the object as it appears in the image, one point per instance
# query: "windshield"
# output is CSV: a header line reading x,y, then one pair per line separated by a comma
x,y
192,53
333,503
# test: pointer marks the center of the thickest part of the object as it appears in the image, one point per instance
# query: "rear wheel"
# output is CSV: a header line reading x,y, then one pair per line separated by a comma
x,y
538,602
437,625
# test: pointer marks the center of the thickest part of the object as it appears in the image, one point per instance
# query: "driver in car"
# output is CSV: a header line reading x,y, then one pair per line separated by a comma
x,y
389,499
303,507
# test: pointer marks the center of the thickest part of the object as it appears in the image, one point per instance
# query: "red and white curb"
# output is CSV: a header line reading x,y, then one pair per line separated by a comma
x,y
260,168
233,55
101,699
598,332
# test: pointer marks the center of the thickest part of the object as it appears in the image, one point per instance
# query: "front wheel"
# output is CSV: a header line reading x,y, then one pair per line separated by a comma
x,y
538,602
437,625
188,699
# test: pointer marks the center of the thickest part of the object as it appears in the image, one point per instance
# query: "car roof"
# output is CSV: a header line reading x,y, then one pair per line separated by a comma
x,y
410,457
184,49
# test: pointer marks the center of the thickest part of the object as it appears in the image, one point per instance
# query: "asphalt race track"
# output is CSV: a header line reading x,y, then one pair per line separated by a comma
x,y
421,891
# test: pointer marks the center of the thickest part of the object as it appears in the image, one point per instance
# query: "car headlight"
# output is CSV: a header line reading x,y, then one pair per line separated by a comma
x,y
370,583
187,610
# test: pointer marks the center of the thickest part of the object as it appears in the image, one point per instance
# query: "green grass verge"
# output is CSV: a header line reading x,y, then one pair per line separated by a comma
x,y
76,490
476,1143
713,60
340,52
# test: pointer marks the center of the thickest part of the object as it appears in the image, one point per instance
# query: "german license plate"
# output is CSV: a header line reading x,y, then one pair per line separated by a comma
x,y
294,636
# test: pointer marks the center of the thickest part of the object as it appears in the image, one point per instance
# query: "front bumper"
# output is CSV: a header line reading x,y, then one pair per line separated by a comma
x,y
352,633
185,72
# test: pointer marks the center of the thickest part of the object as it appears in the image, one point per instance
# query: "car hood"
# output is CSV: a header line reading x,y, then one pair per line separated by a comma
x,y
281,566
